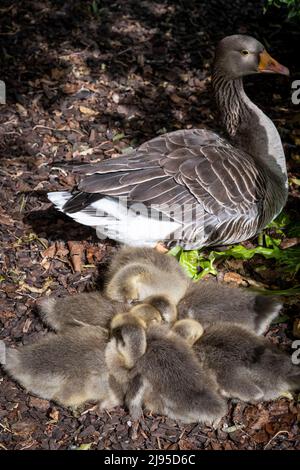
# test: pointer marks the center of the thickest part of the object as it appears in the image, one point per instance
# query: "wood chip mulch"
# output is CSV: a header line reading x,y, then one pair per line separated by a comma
x,y
87,81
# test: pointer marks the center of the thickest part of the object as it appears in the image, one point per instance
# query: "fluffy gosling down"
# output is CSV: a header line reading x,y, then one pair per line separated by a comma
x,y
165,375
246,366
72,367
68,368
210,302
94,309
90,308
137,273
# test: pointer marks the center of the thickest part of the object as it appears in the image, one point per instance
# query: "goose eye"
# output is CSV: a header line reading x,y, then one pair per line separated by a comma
x,y
244,52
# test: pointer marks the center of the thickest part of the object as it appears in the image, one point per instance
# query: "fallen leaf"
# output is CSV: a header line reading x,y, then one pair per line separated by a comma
x,y
185,444
49,252
88,111
39,403
61,250
70,88
261,420
6,219
119,136
260,437
54,415
23,428
289,242
90,253
45,263
177,99
76,252
56,74
234,277
235,428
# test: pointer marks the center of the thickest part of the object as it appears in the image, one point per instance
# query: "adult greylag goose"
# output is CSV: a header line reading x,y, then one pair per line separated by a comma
x,y
193,186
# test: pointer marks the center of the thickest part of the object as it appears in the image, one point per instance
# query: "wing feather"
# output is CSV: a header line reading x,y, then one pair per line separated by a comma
x,y
195,167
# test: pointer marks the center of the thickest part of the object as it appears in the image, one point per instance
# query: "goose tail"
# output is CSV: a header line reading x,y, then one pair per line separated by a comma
x,y
59,199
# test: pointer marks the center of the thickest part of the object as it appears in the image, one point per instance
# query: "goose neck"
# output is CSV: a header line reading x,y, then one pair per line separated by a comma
x,y
248,127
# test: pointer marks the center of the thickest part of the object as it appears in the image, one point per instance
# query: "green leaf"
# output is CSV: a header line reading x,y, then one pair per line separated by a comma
x,y
295,181
119,136
85,446
189,261
281,221
175,251
281,292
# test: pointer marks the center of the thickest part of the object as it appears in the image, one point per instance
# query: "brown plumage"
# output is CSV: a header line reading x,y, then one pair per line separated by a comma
x,y
137,273
165,375
209,302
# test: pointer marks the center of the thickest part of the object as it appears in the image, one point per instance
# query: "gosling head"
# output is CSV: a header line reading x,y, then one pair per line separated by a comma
x,y
190,330
164,307
128,337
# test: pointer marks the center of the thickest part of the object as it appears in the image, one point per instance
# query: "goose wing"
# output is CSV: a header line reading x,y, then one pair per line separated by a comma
x,y
195,167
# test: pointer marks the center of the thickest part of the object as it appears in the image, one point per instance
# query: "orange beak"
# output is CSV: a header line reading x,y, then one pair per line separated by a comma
x,y
270,65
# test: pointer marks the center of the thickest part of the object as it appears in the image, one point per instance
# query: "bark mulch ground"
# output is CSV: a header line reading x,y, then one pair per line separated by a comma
x,y
88,80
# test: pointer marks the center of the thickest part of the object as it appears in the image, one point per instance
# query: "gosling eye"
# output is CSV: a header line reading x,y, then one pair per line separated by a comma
x,y
245,52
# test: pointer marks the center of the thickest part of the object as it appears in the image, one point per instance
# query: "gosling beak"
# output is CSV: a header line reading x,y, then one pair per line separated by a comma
x,y
269,65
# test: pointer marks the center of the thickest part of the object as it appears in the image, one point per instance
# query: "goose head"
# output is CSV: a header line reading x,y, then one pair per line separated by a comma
x,y
239,55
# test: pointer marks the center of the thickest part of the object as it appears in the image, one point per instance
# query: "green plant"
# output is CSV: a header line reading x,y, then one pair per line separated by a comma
x,y
292,7
95,7
199,263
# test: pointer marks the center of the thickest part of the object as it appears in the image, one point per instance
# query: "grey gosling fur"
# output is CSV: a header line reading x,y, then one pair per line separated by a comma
x,y
165,375
137,273
93,309
68,368
209,302
246,366
88,308
72,367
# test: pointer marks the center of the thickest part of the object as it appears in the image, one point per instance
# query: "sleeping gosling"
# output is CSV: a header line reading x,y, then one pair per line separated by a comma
x,y
93,309
165,375
137,273
67,368
73,366
246,366
209,302
88,308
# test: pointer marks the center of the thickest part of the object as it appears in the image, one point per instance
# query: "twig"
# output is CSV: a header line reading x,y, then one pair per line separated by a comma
x,y
274,437
40,126
5,428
